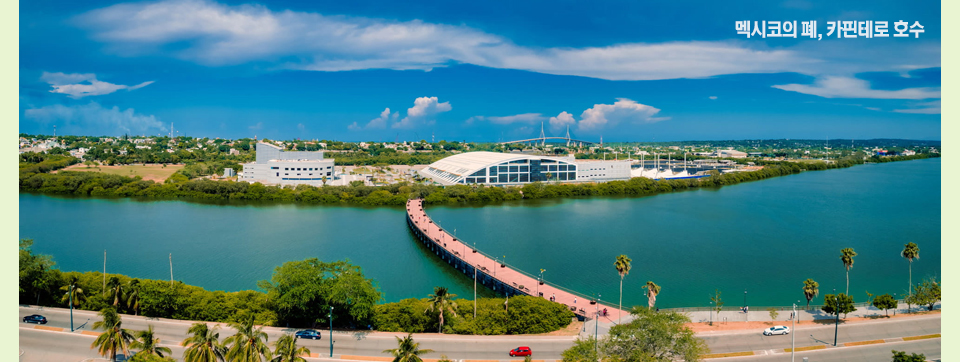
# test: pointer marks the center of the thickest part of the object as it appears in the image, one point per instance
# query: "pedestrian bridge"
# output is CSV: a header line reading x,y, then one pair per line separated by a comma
x,y
496,275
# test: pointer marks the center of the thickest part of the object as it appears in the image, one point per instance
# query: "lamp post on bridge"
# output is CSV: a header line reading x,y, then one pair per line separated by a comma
x,y
540,281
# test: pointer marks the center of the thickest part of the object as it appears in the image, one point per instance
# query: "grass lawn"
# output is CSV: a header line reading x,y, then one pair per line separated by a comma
x,y
155,172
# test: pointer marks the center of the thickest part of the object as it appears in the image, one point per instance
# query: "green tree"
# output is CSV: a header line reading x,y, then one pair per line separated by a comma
x,y
583,350
901,356
838,304
623,268
203,345
74,294
114,338
884,302
652,336
407,350
717,302
249,344
147,343
36,275
286,350
442,301
773,313
133,296
910,251
652,291
810,290
926,293
115,287
846,256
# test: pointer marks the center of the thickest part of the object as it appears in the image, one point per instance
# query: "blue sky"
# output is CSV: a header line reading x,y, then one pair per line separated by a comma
x,y
476,71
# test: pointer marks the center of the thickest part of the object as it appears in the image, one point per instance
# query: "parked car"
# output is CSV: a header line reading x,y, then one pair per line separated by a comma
x,y
36,318
520,352
308,334
776,330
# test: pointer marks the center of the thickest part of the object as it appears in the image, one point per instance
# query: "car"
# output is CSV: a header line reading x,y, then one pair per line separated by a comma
x,y
520,351
35,318
776,330
308,334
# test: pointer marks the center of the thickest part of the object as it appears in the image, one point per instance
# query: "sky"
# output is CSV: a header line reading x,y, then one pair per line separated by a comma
x,y
487,71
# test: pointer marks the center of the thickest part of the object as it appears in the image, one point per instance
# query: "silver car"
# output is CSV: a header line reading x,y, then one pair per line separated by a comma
x,y
776,330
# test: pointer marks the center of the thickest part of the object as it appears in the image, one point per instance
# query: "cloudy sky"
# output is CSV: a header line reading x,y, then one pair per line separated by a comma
x,y
478,71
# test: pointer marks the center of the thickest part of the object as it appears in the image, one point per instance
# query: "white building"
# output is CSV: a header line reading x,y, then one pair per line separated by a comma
x,y
498,169
277,167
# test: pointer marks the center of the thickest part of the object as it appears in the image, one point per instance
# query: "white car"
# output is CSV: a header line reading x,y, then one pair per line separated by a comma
x,y
776,330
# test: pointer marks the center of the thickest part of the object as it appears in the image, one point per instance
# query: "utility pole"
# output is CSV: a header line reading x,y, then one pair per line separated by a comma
x,y
330,316
836,309
475,292
596,329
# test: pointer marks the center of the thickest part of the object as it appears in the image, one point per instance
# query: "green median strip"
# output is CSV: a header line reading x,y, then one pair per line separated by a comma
x,y
928,336
731,354
808,348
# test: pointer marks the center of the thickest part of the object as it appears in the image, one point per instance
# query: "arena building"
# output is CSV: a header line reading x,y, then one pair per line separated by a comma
x,y
498,169
275,166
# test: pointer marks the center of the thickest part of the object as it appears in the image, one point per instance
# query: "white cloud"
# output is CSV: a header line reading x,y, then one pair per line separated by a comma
x,y
517,118
95,118
376,123
78,85
561,121
713,98
424,108
256,127
216,34
610,115
847,87
925,108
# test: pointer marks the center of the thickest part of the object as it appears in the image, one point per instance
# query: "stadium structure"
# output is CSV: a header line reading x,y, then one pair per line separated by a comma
x,y
500,169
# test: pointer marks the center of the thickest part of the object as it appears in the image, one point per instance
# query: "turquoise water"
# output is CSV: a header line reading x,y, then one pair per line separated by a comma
x,y
765,237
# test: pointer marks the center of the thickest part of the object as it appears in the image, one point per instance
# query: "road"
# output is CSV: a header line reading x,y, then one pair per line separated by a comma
x,y
37,343
876,352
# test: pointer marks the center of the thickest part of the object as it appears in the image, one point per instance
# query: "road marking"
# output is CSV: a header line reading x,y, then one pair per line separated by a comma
x,y
55,329
808,348
366,358
731,354
928,336
91,333
861,343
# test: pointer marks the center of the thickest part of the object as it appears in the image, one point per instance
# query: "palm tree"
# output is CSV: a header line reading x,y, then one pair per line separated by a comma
x,y
441,301
114,286
133,296
623,267
74,294
846,255
652,290
287,350
810,290
114,338
148,344
911,251
408,350
249,344
203,345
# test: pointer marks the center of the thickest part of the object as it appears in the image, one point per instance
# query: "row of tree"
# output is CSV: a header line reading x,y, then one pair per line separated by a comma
x,y
249,343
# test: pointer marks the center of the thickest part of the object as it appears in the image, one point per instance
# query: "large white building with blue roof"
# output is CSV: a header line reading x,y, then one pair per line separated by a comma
x,y
274,166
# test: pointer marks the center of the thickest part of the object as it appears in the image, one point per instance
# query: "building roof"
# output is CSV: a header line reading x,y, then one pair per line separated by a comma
x,y
466,163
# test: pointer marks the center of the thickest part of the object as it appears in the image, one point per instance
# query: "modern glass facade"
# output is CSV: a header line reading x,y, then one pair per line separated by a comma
x,y
524,171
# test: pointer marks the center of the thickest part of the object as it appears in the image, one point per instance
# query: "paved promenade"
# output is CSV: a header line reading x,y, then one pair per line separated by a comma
x,y
504,273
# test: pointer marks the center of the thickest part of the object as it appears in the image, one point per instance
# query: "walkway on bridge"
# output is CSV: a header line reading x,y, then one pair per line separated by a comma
x,y
506,274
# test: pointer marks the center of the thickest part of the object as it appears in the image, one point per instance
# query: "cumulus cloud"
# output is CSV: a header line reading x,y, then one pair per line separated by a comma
x,y
561,121
211,33
77,85
93,117
422,112
847,87
376,123
713,98
517,118
923,108
622,111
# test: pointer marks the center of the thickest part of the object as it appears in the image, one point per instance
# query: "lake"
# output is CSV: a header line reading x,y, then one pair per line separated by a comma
x,y
764,237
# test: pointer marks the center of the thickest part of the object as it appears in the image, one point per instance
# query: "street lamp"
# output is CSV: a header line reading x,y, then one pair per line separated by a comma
x,y
540,281
793,332
596,328
330,317
836,309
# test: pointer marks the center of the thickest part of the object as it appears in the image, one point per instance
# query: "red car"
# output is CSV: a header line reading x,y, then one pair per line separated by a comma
x,y
520,351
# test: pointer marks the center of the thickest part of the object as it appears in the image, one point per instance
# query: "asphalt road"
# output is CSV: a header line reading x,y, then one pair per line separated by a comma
x,y
874,352
47,345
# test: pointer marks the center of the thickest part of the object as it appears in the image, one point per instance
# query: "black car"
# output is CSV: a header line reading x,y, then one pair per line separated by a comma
x,y
308,334
36,318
